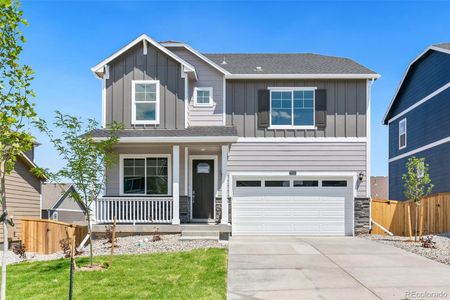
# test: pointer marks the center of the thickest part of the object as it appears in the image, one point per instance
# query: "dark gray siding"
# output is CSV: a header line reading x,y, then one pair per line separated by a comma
x,y
346,107
436,157
427,123
429,73
134,65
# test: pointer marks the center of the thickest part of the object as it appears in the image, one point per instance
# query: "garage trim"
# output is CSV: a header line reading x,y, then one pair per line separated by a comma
x,y
353,176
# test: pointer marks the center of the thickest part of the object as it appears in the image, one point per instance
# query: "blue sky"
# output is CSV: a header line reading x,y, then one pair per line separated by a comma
x,y
66,38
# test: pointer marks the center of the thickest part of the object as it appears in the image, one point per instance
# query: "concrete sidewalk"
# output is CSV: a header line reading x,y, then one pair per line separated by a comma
x,y
330,268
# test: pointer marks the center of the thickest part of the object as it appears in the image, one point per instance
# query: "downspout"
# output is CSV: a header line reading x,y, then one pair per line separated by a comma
x,y
369,150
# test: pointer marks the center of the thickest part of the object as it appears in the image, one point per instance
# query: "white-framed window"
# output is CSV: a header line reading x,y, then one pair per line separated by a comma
x,y
55,216
145,101
145,175
203,96
402,134
292,107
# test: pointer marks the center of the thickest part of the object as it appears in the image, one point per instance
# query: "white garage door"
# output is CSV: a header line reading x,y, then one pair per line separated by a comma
x,y
292,207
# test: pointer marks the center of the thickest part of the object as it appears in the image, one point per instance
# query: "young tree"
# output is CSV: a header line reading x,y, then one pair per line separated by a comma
x,y
417,184
85,159
16,107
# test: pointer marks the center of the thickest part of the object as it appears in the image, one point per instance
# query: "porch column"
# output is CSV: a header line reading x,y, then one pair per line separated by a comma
x,y
224,184
176,184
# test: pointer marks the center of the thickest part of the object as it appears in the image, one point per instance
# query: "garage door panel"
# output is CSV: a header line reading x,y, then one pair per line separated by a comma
x,y
291,210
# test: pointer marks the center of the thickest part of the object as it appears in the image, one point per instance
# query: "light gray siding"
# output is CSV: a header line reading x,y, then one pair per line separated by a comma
x,y
346,107
207,77
156,65
299,156
113,173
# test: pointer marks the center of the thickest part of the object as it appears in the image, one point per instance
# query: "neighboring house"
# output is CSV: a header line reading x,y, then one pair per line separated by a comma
x,y
379,187
270,143
419,120
58,204
23,194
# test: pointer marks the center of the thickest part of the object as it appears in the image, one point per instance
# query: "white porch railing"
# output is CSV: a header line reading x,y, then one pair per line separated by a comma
x,y
134,209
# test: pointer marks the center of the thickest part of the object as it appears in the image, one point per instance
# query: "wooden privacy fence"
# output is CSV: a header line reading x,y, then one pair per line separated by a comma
x,y
434,215
43,236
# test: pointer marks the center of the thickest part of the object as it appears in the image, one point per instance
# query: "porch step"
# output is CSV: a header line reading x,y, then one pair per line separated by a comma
x,y
199,235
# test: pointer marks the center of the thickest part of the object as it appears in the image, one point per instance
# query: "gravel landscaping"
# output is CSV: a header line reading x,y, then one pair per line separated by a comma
x,y
441,253
130,245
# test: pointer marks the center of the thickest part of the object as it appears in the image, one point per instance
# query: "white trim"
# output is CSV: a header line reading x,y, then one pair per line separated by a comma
x,y
211,100
400,134
174,139
406,73
224,186
420,102
216,177
144,45
103,102
169,173
302,140
186,98
66,209
97,69
349,175
198,54
186,170
133,102
224,87
292,90
303,76
176,184
420,149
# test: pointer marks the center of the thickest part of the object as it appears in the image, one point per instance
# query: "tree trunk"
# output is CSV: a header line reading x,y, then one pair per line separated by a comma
x,y
91,258
5,250
5,229
416,222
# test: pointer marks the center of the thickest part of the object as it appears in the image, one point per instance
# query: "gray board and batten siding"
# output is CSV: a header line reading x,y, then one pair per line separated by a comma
x,y
156,65
346,104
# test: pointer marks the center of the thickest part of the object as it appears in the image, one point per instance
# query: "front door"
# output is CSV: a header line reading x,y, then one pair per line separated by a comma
x,y
203,189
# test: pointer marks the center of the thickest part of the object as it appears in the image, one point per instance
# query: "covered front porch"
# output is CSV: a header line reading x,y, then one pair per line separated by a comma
x,y
164,184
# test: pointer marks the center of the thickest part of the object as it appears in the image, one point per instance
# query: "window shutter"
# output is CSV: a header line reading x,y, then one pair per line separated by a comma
x,y
321,109
263,108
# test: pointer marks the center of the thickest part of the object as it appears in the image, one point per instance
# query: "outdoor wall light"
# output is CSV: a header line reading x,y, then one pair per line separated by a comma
x,y
361,176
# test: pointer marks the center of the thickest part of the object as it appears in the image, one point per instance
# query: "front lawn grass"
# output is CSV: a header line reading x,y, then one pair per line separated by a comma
x,y
198,274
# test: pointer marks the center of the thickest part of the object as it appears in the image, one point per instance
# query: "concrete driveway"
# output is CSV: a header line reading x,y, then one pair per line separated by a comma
x,y
330,268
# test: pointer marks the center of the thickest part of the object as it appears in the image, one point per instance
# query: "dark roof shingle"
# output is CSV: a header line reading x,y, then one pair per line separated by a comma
x,y
191,131
293,63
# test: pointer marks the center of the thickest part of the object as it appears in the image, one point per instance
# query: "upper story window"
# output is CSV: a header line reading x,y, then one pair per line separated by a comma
x,y
145,101
402,134
292,108
203,96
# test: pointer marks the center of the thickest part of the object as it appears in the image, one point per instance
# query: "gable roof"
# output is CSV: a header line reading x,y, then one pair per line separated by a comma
x,y
272,64
31,164
53,194
99,69
174,44
443,47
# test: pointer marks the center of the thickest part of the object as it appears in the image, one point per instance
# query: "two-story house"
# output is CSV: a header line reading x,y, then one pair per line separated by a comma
x,y
419,120
274,144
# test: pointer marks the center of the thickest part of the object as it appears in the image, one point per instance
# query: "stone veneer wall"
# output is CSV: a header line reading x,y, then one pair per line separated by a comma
x,y
219,210
185,215
362,215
